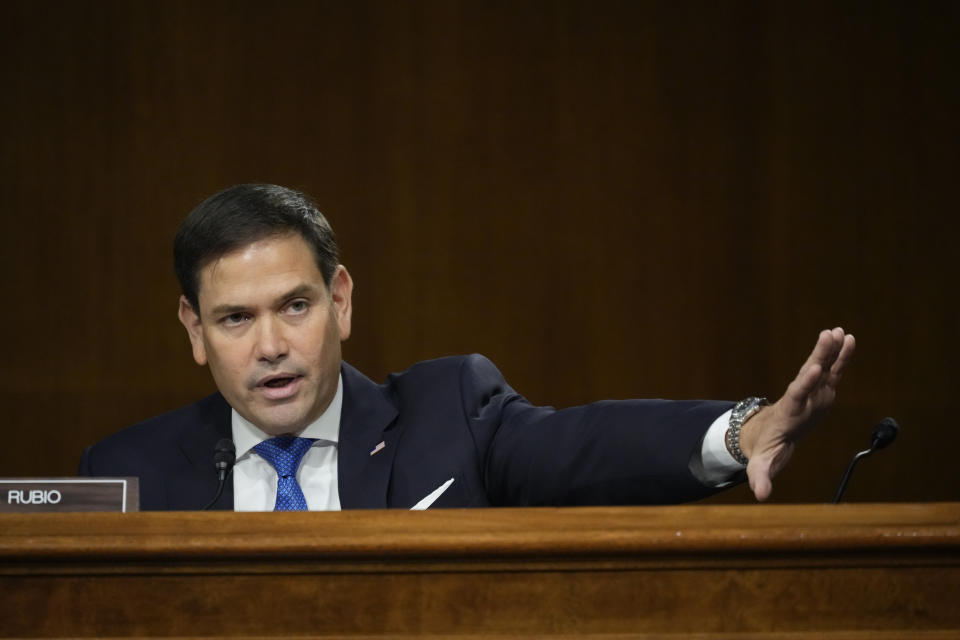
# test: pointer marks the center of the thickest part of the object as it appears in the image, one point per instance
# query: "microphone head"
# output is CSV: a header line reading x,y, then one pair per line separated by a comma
x,y
224,454
884,433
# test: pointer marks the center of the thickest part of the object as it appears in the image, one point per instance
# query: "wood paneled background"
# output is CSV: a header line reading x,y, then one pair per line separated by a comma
x,y
609,199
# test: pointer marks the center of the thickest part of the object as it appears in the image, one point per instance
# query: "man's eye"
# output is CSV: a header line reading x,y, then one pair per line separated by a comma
x,y
298,306
234,319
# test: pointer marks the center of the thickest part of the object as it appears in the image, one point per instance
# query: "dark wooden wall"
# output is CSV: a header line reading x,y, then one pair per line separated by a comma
x,y
610,199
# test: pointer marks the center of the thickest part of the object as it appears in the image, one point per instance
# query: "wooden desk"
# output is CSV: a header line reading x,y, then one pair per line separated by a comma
x,y
842,571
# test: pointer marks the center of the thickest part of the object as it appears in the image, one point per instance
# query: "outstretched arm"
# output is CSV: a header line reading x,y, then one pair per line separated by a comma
x,y
768,438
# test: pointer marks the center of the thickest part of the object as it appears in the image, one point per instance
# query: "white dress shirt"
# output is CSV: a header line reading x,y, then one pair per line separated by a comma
x,y
718,465
255,479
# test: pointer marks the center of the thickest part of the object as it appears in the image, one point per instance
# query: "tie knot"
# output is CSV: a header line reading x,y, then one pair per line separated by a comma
x,y
284,453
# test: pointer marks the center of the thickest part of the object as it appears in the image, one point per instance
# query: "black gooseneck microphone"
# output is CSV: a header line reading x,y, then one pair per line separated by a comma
x,y
224,455
883,434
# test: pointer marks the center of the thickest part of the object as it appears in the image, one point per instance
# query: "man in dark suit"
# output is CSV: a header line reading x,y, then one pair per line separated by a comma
x,y
266,305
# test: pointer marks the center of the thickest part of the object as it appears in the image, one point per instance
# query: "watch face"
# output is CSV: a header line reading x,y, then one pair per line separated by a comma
x,y
749,405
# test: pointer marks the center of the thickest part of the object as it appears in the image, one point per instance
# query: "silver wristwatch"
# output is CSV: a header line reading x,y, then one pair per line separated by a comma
x,y
742,412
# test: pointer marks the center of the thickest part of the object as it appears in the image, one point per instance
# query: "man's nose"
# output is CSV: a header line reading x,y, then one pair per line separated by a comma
x,y
271,342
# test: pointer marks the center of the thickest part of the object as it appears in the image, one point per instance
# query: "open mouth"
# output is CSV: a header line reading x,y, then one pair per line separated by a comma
x,y
283,386
278,383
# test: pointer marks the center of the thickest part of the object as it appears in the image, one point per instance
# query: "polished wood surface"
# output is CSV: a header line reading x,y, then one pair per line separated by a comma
x,y
843,571
610,199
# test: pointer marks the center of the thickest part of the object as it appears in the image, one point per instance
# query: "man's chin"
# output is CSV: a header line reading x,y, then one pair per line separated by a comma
x,y
278,423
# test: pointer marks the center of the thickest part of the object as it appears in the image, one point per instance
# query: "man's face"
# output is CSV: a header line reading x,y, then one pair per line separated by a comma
x,y
270,330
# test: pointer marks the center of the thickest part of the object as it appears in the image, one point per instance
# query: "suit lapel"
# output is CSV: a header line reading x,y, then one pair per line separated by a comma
x,y
368,442
197,443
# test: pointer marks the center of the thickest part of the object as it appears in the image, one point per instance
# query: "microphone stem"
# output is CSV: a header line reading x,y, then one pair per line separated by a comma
x,y
846,476
223,476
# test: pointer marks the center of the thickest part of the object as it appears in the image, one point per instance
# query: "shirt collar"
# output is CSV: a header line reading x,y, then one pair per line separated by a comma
x,y
246,435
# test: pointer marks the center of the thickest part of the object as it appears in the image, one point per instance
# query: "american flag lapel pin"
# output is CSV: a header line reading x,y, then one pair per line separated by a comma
x,y
378,448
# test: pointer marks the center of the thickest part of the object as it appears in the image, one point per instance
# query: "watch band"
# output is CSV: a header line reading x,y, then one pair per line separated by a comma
x,y
742,412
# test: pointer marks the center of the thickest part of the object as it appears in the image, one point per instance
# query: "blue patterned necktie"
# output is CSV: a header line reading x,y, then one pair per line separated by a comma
x,y
285,454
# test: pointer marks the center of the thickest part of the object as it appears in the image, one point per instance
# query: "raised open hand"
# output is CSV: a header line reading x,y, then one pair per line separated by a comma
x,y
768,438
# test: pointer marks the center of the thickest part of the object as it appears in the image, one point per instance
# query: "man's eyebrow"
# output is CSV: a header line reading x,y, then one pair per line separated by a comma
x,y
227,309
301,291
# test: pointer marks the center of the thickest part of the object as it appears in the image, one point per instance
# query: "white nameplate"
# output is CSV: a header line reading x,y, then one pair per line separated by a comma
x,y
37,495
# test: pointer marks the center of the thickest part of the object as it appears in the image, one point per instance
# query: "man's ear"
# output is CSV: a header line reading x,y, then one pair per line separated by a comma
x,y
341,292
191,321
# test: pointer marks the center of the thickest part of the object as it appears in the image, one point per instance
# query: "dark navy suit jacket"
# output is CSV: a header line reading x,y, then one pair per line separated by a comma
x,y
449,418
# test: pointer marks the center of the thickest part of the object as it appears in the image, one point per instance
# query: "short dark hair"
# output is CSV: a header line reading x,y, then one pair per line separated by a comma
x,y
243,214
